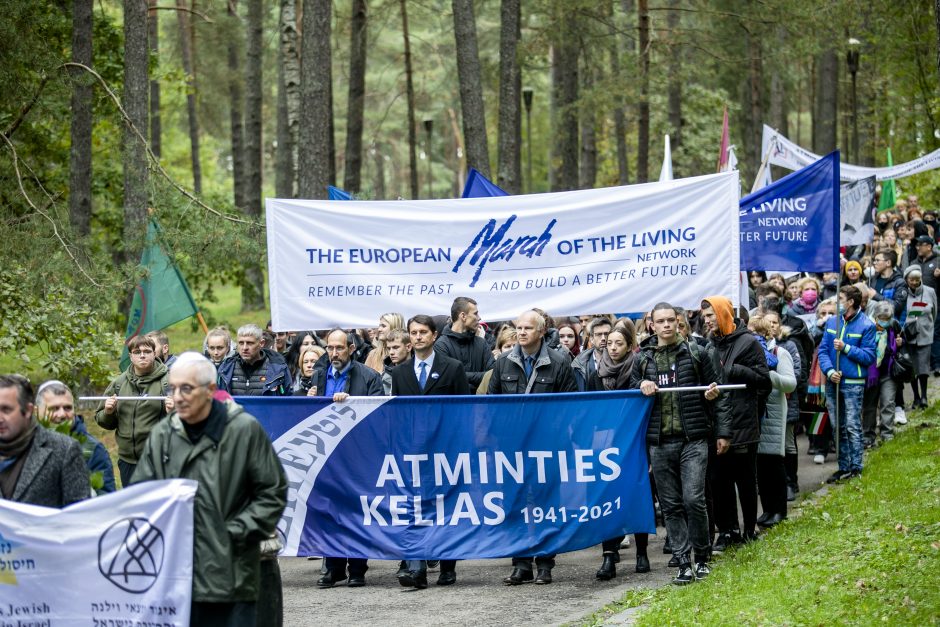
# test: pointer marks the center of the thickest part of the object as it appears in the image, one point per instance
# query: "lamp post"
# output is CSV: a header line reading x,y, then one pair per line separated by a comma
x,y
428,128
527,100
851,58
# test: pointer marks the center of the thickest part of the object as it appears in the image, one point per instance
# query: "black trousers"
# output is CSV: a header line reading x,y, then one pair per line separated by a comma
x,y
126,470
357,566
642,540
735,469
223,614
772,482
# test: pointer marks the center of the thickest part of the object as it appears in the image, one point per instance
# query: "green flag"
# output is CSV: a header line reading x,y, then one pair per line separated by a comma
x,y
887,190
162,296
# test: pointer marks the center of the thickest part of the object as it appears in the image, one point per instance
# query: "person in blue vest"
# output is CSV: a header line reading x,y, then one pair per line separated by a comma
x,y
254,370
848,348
55,402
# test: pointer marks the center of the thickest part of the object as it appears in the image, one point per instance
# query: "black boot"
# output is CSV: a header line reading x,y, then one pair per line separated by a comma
x,y
608,569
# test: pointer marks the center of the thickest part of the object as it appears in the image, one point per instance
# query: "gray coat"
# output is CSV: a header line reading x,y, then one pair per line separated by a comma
x,y
922,324
774,425
54,473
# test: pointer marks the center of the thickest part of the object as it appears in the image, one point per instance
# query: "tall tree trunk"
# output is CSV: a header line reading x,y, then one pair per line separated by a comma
x,y
643,114
620,121
674,72
153,33
471,86
779,94
827,93
136,173
187,54
509,149
289,77
755,83
410,94
252,289
80,147
587,174
352,180
379,183
288,101
565,96
315,111
331,136
236,119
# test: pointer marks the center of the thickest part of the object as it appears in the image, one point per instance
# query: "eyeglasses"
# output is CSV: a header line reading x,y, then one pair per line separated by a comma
x,y
184,390
141,353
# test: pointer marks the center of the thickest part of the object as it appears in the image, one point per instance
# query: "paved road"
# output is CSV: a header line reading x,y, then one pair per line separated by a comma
x,y
479,597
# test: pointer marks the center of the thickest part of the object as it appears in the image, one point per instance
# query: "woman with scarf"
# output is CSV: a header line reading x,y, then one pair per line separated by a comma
x,y
305,384
919,316
614,365
302,341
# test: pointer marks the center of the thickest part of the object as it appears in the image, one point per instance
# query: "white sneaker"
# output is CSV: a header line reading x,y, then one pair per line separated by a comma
x,y
899,416
819,459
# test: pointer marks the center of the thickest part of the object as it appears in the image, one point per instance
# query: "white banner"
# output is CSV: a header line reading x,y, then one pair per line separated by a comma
x,y
120,559
619,249
788,155
857,204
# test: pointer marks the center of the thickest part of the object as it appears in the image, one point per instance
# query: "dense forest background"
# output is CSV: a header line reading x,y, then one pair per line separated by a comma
x,y
193,111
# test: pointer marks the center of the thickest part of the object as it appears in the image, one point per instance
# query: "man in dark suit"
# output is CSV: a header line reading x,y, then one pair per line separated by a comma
x,y
531,368
344,377
37,466
430,374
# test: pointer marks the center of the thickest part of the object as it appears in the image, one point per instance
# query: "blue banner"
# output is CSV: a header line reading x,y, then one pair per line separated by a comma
x,y
793,224
467,477
478,186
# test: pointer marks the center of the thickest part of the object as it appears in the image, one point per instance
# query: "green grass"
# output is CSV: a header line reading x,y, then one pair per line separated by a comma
x,y
868,552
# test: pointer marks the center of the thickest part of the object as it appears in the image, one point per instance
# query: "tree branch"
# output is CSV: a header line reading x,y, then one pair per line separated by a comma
x,y
205,17
25,110
153,159
55,228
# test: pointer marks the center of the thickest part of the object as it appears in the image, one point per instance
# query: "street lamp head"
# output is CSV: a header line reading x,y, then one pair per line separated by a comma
x,y
852,55
527,98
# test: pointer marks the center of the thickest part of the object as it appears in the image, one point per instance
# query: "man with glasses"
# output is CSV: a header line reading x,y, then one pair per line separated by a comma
x,y
242,489
585,364
888,283
132,419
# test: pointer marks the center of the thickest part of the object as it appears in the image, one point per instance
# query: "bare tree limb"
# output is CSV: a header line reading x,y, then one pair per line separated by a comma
x,y
25,110
155,163
205,17
55,228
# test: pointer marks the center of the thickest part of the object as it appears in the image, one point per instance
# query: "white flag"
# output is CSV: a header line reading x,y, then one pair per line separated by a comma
x,y
665,174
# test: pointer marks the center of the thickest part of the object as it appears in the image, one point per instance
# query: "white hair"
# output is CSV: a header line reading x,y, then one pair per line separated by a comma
x,y
252,330
205,369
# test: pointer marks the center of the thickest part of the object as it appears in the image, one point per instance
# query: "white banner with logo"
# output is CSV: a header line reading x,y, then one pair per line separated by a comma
x,y
857,205
612,250
788,155
120,559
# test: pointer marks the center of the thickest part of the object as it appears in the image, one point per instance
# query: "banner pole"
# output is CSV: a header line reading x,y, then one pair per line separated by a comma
x,y
763,165
202,322
835,419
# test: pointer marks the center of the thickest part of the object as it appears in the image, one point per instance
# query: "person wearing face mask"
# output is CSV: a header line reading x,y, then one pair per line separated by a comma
x,y
878,404
808,299
919,316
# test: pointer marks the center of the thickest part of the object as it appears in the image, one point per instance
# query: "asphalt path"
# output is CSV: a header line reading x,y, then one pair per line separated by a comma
x,y
479,596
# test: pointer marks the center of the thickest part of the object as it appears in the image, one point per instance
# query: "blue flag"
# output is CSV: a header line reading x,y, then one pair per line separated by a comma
x,y
338,194
793,224
467,477
478,186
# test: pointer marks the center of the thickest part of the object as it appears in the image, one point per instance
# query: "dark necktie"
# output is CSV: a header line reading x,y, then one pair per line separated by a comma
x,y
528,367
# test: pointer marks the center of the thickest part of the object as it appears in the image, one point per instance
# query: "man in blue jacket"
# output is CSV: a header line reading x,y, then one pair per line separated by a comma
x,y
848,347
55,402
254,370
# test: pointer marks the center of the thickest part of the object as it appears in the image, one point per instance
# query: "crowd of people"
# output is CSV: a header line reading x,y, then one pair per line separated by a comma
x,y
826,355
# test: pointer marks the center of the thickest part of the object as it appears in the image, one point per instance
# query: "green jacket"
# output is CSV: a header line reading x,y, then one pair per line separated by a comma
x,y
241,496
134,419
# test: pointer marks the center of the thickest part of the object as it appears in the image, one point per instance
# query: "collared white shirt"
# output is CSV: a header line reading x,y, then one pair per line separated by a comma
x,y
430,364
